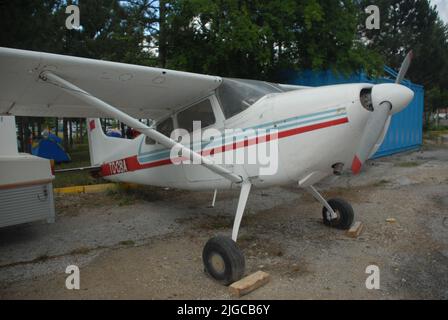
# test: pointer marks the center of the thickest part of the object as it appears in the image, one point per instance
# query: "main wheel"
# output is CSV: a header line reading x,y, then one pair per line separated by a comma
x,y
343,210
223,260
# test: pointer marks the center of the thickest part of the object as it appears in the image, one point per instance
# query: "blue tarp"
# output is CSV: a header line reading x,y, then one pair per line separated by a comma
x,y
114,133
50,148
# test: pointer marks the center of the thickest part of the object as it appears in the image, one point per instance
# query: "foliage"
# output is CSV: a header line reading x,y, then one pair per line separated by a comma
x,y
256,39
414,24
240,38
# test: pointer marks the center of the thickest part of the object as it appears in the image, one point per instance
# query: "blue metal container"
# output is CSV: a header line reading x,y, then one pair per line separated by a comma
x,y
406,129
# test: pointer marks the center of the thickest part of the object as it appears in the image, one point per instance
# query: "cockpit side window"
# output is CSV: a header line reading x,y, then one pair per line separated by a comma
x,y
236,95
201,111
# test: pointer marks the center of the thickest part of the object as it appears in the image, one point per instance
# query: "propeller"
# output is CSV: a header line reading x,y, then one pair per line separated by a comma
x,y
404,67
387,99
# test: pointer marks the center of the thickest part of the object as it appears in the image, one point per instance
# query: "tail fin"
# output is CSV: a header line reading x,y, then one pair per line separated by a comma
x,y
101,147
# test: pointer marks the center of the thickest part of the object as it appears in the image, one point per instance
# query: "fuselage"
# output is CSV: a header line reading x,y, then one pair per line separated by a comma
x,y
313,129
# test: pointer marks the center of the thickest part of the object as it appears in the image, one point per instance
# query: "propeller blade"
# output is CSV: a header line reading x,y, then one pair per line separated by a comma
x,y
404,67
372,132
382,137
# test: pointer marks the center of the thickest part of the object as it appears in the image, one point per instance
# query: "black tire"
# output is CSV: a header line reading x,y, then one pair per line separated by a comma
x,y
223,260
345,214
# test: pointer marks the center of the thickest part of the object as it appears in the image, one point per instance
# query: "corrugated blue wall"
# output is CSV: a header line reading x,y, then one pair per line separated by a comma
x,y
406,129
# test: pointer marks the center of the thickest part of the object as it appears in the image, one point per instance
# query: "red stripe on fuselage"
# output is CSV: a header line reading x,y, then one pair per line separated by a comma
x,y
132,164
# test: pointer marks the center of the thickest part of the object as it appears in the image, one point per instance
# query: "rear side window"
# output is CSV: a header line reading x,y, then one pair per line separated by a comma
x,y
166,127
201,111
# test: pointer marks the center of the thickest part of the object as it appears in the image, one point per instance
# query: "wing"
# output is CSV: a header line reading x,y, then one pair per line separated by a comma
x,y
141,92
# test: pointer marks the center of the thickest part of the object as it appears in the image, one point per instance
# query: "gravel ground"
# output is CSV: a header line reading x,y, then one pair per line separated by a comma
x,y
149,246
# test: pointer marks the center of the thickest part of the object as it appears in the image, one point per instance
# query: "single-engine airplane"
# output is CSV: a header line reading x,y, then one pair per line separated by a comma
x,y
317,132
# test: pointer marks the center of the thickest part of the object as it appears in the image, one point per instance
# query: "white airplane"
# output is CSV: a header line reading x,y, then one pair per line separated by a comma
x,y
317,132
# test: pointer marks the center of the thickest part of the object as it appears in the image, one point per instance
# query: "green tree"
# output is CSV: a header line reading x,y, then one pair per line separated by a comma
x,y
31,24
406,25
413,24
110,29
254,39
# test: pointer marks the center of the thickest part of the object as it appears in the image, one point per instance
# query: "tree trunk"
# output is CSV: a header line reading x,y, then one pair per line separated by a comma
x,y
65,133
21,133
70,132
26,135
77,130
33,127
56,128
39,128
81,133
162,33
123,130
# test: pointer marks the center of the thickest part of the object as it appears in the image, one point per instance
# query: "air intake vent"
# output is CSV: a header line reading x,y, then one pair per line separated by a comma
x,y
366,99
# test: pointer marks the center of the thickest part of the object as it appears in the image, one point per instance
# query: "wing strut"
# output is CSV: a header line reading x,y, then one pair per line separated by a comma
x,y
113,112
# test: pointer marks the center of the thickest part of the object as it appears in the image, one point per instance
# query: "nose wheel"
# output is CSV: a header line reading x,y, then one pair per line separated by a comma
x,y
336,213
223,260
344,214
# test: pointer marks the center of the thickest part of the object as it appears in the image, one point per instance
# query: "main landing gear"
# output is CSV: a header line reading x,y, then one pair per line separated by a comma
x,y
224,261
222,258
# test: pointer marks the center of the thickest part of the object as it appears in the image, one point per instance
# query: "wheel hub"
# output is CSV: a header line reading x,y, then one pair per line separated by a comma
x,y
338,216
217,263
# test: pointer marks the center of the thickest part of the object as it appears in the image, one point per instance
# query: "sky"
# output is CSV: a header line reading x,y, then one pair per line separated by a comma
x,y
442,5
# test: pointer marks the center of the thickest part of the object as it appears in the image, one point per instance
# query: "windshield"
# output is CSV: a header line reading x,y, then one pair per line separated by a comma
x,y
236,95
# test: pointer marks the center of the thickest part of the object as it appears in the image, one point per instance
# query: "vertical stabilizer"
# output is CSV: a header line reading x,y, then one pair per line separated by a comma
x,y
100,145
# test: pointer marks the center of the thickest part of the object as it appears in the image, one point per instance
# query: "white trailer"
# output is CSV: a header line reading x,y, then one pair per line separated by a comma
x,y
26,190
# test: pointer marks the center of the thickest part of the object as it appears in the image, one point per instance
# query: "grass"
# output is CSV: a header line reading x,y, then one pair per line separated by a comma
x,y
381,183
41,258
127,243
80,157
127,196
409,164
81,251
435,133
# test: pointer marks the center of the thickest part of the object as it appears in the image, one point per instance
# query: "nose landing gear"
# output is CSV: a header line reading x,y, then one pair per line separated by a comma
x,y
336,213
